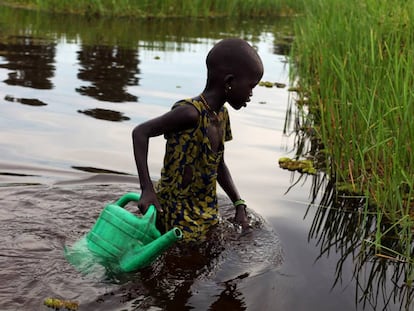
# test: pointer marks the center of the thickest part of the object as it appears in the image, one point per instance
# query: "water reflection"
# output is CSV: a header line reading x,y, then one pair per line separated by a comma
x,y
37,221
30,60
110,69
98,63
108,54
105,114
210,276
25,101
97,170
230,298
344,223
283,45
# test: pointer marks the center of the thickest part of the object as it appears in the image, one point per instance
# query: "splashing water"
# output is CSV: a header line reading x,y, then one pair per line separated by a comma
x,y
38,221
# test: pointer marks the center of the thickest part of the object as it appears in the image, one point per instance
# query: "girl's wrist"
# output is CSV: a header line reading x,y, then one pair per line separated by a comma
x,y
239,202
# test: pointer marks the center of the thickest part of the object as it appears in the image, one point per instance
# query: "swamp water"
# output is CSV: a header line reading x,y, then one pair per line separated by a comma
x,y
71,91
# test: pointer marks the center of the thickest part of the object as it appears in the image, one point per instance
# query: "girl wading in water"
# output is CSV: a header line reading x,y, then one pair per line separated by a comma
x,y
195,130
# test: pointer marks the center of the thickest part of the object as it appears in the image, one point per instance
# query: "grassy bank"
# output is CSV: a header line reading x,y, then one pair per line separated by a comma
x,y
354,61
161,8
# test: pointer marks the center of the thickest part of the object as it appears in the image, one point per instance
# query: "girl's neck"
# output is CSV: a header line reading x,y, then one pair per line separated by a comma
x,y
212,100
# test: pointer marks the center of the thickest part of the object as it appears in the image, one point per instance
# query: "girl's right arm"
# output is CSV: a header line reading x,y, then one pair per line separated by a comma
x,y
140,141
177,119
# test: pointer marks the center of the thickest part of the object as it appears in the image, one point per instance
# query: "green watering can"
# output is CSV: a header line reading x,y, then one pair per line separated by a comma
x,y
119,237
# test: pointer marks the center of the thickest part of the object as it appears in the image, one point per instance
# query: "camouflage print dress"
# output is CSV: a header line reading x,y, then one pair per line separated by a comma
x,y
187,188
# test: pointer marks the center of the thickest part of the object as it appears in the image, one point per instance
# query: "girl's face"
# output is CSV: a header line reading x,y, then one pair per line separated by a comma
x,y
240,89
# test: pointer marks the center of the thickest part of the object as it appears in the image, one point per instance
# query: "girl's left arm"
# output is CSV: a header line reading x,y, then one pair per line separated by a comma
x,y
226,182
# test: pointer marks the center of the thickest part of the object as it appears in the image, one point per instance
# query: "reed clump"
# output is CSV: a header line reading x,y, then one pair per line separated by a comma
x,y
162,8
355,60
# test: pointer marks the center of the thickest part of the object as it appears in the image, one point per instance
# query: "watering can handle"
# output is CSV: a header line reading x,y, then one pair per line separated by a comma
x,y
128,197
133,196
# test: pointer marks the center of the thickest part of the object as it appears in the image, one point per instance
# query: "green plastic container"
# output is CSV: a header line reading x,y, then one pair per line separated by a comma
x,y
121,237
142,256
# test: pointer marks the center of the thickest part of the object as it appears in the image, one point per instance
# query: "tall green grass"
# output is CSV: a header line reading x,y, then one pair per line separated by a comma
x,y
162,8
355,60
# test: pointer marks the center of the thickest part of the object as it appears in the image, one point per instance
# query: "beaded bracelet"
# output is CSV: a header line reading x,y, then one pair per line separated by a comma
x,y
239,202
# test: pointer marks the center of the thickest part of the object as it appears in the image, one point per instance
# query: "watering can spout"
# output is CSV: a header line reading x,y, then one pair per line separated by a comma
x,y
142,256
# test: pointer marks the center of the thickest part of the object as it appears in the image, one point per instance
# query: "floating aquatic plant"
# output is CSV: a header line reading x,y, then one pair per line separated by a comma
x,y
61,304
302,166
272,84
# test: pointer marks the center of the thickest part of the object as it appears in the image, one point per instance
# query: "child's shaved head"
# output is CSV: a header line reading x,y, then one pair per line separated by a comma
x,y
233,56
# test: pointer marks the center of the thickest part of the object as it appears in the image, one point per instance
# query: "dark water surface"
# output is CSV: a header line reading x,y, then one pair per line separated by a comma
x,y
71,91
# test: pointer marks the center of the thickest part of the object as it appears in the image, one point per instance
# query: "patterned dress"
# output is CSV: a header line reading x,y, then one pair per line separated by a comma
x,y
187,188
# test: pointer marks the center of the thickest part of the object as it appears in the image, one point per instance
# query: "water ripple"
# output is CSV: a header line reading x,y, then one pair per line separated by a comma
x,y
37,221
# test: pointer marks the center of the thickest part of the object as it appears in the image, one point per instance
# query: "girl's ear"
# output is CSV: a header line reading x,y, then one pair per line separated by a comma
x,y
228,79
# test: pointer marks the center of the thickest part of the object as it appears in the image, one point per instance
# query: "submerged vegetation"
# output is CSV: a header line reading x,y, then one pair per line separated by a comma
x,y
162,8
352,63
